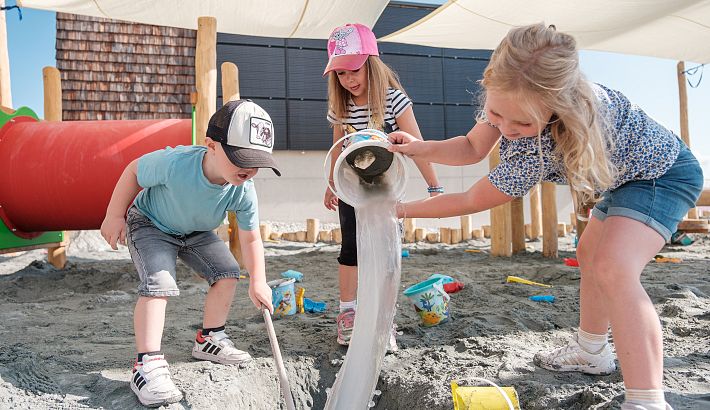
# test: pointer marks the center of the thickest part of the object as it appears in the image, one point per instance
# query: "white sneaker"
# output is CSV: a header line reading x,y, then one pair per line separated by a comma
x,y
216,347
392,345
152,384
572,358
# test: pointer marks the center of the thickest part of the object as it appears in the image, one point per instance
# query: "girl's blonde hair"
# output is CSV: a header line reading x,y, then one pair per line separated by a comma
x,y
540,67
379,78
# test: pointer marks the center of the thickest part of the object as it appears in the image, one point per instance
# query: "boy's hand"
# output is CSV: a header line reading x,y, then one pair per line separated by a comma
x,y
405,143
260,294
113,229
330,200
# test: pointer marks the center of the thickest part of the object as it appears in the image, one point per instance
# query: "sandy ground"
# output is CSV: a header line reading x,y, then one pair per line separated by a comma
x,y
67,339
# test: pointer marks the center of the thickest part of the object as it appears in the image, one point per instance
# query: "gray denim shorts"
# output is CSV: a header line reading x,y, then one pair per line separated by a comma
x,y
155,254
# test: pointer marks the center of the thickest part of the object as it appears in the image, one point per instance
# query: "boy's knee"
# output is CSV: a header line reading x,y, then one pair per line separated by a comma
x,y
160,283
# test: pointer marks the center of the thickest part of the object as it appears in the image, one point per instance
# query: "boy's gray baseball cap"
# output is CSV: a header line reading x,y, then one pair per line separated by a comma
x,y
246,133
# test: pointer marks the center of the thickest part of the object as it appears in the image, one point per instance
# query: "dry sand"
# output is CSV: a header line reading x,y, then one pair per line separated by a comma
x,y
67,338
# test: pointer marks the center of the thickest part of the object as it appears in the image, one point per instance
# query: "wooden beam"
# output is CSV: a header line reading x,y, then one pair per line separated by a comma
x,y
684,123
549,220
230,82
312,228
466,227
517,225
501,240
205,75
51,78
694,226
410,225
704,199
535,213
5,86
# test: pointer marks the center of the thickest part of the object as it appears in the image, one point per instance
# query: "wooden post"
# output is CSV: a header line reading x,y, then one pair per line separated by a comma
x,y
486,231
301,236
337,235
5,86
517,225
275,236
432,237
466,227
234,245
410,224
57,256
455,235
549,220
312,228
684,127
324,236
501,239
265,231
445,235
419,234
561,230
477,234
535,213
205,75
230,82
206,81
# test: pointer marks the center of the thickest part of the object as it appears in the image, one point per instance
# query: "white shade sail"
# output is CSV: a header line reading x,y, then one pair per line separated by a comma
x,y
268,18
674,29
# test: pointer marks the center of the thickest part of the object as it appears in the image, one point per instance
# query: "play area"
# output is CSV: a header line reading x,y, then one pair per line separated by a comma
x,y
448,317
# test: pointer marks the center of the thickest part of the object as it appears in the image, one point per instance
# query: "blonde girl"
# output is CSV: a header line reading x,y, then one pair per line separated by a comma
x,y
556,126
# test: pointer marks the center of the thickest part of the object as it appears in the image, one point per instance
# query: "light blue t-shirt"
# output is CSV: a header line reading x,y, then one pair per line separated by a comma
x,y
178,198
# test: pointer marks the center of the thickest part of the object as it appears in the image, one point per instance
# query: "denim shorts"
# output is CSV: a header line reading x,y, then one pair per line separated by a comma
x,y
659,203
155,254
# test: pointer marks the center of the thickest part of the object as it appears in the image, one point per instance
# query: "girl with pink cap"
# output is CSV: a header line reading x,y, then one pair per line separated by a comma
x,y
363,93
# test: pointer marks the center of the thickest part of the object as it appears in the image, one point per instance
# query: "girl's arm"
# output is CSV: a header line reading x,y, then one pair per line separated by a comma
x,y
330,200
253,251
113,227
462,150
480,197
408,123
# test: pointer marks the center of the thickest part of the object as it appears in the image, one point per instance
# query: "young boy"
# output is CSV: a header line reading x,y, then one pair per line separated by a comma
x,y
185,194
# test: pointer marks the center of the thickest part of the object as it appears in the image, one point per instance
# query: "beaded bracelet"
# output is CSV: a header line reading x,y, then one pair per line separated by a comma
x,y
438,189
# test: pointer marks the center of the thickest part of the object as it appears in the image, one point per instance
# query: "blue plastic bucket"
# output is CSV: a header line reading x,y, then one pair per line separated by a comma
x,y
283,296
430,301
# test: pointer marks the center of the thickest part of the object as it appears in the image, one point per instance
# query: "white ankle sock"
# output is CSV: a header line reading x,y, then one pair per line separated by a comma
x,y
590,342
648,399
348,305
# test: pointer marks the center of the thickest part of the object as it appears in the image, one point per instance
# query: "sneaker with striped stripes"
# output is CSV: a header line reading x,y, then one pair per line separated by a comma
x,y
152,384
216,347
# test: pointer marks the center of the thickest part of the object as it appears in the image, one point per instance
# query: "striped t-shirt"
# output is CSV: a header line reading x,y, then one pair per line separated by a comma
x,y
357,119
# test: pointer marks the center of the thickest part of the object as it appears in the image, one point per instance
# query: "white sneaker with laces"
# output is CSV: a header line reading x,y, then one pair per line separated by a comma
x,y
152,384
216,347
572,358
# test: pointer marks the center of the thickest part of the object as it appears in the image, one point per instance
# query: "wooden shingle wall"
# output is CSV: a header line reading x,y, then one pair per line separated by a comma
x,y
114,70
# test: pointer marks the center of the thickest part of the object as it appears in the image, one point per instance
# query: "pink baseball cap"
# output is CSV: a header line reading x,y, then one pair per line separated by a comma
x,y
349,46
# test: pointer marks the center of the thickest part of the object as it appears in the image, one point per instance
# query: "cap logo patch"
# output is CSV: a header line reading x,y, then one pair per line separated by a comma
x,y
262,132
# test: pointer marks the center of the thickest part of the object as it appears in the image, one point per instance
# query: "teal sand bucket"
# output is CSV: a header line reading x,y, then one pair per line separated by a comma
x,y
283,296
430,301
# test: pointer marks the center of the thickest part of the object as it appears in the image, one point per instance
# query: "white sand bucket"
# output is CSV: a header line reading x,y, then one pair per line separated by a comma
x,y
365,168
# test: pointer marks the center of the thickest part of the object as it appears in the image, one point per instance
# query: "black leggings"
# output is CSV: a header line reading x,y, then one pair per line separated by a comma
x,y
348,228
